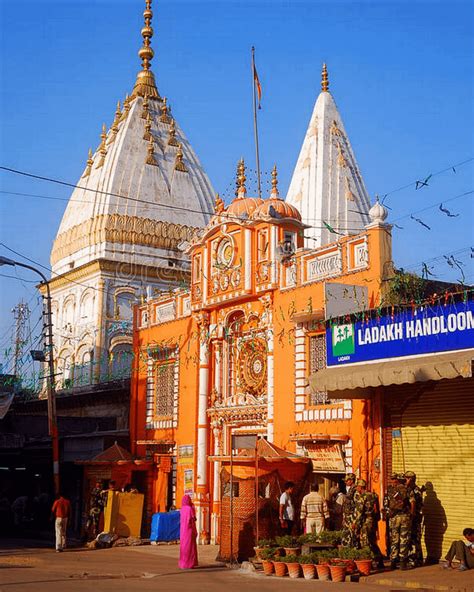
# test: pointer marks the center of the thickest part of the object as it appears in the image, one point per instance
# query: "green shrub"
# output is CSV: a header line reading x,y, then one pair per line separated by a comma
x,y
287,541
325,556
310,538
331,537
268,554
307,559
266,543
291,559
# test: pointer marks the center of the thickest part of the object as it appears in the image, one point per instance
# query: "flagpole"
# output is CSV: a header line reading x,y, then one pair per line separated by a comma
x,y
255,126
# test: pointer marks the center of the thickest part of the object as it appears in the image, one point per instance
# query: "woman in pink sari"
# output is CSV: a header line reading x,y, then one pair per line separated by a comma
x,y
188,557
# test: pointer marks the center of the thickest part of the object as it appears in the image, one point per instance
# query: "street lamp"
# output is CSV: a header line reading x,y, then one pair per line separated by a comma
x,y
48,330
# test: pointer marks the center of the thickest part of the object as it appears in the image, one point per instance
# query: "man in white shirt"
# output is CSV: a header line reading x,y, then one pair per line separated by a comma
x,y
314,511
287,509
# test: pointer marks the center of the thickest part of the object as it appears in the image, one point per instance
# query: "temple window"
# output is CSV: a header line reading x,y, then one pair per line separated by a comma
x,y
317,361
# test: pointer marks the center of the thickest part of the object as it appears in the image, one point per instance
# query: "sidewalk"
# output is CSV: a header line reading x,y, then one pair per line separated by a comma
x,y
430,577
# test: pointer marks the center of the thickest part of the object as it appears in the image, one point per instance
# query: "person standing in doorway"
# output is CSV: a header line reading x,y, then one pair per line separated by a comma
x,y
287,509
314,511
61,512
416,551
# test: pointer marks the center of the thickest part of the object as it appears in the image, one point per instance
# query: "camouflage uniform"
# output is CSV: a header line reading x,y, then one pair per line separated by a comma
x,y
371,516
399,500
349,537
416,551
386,517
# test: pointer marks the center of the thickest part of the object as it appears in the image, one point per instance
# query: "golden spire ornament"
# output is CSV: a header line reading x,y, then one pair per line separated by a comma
x,y
145,107
147,134
165,118
90,162
114,127
126,108
102,147
172,141
145,83
324,79
275,194
219,205
150,159
179,164
241,178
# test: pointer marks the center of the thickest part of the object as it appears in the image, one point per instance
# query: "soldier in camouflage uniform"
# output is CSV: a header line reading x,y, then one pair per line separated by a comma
x,y
392,481
367,515
349,537
401,507
416,551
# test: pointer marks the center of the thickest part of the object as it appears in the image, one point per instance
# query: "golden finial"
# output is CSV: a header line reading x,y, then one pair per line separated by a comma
x,y
145,83
102,147
179,164
324,79
126,108
90,162
147,134
165,118
145,107
241,178
114,127
172,141
275,193
218,204
150,159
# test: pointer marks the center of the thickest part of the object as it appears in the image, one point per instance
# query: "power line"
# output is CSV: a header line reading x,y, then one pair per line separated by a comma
x,y
434,205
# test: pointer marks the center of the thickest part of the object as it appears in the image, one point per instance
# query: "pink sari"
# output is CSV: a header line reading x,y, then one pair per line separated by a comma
x,y
187,542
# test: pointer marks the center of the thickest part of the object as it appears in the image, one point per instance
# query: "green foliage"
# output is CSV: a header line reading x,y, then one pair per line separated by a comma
x,y
309,538
404,287
291,559
326,555
331,537
287,541
268,554
307,559
266,543
353,553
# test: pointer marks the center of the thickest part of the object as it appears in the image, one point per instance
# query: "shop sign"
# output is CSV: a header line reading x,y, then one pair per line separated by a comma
x,y
327,458
428,329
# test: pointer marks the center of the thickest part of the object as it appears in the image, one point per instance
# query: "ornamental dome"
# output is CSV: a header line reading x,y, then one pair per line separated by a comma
x,y
244,206
275,207
378,213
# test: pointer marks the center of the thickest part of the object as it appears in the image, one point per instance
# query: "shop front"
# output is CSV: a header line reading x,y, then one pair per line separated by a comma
x,y
415,367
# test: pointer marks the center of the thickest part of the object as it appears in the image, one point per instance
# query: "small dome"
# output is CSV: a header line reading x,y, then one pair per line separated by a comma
x,y
244,205
378,213
276,208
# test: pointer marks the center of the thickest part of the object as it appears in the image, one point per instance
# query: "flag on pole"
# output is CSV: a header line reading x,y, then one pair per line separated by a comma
x,y
257,85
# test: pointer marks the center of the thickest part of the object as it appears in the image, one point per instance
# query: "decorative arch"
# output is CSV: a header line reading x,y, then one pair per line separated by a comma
x,y
65,368
83,364
123,303
86,305
120,359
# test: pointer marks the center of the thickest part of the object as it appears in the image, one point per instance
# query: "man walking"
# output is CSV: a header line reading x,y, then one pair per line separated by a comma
x,y
314,511
287,509
61,511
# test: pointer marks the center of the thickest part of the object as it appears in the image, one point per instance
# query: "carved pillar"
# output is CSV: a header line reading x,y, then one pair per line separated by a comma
x,y
267,320
216,493
101,313
202,480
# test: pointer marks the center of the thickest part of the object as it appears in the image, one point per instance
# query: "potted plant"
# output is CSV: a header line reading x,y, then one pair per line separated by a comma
x,y
267,555
330,537
308,539
348,554
363,560
308,567
262,544
338,569
322,567
290,544
293,566
280,566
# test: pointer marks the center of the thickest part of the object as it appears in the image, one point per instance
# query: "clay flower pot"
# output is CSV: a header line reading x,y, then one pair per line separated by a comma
x,y
364,566
338,573
292,550
280,568
309,571
349,563
258,550
323,571
293,570
268,567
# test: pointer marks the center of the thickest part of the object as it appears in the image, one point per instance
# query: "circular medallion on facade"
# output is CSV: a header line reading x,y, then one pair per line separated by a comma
x,y
253,366
225,252
224,281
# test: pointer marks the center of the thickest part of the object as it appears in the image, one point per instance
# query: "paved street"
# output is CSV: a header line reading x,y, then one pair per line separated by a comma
x,y
155,568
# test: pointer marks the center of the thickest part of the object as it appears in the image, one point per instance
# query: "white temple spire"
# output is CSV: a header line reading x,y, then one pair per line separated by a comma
x,y
326,185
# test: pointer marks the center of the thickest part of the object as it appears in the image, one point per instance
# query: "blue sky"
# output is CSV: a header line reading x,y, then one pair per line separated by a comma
x,y
401,74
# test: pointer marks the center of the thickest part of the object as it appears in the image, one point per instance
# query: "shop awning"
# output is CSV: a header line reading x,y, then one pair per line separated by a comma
x,y
349,381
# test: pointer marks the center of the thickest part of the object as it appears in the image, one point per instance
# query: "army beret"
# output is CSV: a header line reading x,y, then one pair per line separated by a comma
x,y
350,476
361,482
394,476
401,477
409,474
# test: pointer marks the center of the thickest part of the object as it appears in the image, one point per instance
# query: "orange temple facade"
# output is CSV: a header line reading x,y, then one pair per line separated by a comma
x,y
232,354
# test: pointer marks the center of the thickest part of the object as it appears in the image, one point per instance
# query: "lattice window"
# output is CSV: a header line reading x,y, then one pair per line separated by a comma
x,y
164,388
317,361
